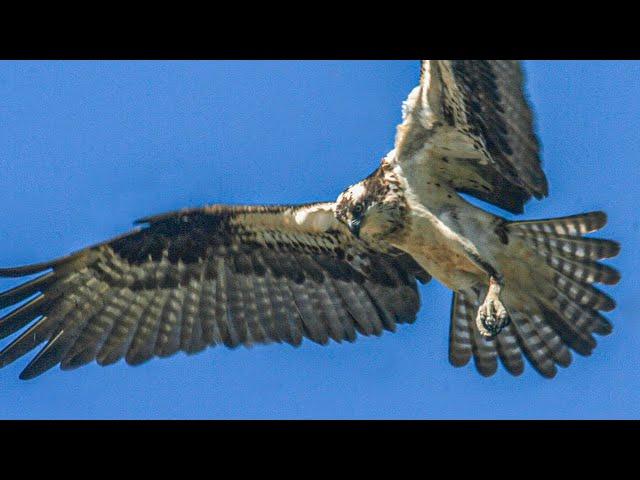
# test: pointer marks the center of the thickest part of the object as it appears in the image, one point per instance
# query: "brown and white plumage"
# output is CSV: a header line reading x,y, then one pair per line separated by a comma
x,y
467,128
481,124
565,317
330,271
202,277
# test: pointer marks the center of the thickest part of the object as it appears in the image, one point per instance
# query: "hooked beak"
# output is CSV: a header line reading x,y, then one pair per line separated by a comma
x,y
354,226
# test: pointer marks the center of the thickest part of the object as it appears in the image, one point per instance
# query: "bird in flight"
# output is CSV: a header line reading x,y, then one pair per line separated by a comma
x,y
243,275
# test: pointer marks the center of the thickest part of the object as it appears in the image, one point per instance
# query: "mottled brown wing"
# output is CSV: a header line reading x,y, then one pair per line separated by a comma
x,y
203,277
484,101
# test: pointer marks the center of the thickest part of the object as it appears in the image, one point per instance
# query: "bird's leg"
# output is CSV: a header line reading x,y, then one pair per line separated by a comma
x,y
492,317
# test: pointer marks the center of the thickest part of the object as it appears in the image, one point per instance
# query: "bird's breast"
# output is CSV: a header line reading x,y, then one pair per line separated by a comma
x,y
441,249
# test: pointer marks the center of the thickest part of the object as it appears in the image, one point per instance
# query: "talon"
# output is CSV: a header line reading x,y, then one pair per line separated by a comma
x,y
492,316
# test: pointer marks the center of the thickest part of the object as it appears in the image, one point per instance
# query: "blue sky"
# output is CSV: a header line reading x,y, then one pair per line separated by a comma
x,y
87,147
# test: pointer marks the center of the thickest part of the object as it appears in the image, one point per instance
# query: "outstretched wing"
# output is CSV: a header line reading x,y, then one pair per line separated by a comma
x,y
474,119
201,277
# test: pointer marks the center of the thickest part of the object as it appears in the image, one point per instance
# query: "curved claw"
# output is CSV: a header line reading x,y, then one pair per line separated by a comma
x,y
492,318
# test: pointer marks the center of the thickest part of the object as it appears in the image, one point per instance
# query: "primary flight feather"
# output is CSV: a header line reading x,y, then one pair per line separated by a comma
x,y
241,275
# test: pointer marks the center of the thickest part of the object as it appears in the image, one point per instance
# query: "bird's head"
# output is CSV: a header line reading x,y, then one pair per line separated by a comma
x,y
372,208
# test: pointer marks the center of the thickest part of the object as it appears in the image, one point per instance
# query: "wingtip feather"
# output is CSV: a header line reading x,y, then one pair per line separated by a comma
x,y
25,269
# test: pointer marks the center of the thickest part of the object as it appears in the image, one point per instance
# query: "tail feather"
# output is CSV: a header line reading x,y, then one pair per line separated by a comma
x,y
509,350
572,248
574,335
573,225
534,348
584,271
559,351
558,314
582,318
462,311
485,354
465,341
583,294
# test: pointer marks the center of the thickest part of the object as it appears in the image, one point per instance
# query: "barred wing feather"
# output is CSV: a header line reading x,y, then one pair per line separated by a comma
x,y
202,277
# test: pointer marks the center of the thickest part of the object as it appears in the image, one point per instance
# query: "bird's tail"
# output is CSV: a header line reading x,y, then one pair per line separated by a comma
x,y
552,302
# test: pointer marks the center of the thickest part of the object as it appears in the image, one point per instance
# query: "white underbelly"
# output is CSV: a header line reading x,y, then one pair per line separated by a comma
x,y
442,252
446,235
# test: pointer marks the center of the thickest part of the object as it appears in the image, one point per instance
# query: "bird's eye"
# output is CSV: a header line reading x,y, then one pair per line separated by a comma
x,y
358,208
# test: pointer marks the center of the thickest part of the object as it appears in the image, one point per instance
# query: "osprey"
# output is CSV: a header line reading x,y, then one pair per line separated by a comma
x,y
242,275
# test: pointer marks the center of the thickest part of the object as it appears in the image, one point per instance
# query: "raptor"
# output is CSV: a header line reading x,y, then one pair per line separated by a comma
x,y
244,275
